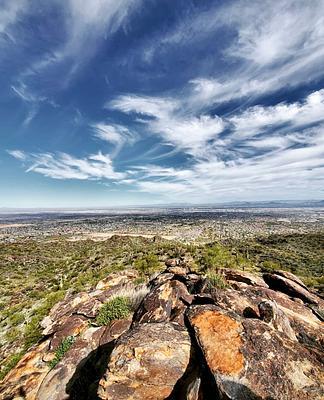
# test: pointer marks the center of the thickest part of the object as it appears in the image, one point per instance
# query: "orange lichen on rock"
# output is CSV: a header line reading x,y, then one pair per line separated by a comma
x,y
219,336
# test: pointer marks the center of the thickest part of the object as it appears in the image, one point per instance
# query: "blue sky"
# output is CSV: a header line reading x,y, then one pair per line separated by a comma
x,y
127,102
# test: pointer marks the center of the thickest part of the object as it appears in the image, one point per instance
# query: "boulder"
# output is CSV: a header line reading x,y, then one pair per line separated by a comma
x,y
291,276
25,379
146,363
271,314
243,277
290,287
61,311
250,360
178,270
68,378
114,279
71,326
172,262
163,302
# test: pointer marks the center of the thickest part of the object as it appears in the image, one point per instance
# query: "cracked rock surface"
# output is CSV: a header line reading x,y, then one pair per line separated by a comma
x,y
261,338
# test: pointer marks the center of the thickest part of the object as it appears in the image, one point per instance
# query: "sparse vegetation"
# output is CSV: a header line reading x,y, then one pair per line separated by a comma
x,y
147,263
10,363
61,350
36,274
217,280
117,308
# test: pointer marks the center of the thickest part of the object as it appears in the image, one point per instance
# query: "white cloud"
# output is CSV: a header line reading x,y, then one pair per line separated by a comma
x,y
169,120
10,12
114,133
18,154
257,119
65,166
85,24
272,48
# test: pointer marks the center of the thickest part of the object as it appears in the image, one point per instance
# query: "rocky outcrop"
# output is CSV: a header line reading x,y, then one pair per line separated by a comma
x,y
146,362
290,287
259,338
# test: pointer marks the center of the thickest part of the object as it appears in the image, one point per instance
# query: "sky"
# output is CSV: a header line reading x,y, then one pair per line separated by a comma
x,y
131,102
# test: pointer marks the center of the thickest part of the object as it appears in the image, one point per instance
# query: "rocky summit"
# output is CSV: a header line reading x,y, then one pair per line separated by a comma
x,y
183,337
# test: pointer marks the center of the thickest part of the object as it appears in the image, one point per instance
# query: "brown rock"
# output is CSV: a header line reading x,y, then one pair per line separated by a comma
x,y
178,270
219,337
250,360
271,314
89,308
290,287
172,262
146,363
72,326
61,311
70,373
243,277
159,279
162,302
291,276
54,385
27,376
118,278
306,325
114,330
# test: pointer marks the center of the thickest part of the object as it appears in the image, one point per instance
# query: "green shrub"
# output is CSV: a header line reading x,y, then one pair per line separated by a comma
x,y
32,333
16,319
217,280
12,334
147,263
61,350
117,308
9,364
217,256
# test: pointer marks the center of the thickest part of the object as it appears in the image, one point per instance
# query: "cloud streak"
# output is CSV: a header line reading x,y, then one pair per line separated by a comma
x,y
64,166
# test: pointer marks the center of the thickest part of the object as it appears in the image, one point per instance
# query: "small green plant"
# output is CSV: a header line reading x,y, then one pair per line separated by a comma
x,y
9,364
147,263
140,280
117,308
217,280
61,350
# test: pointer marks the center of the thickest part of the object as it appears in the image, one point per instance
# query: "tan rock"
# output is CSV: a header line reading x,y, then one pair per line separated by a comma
x,y
27,376
243,277
72,326
251,360
162,302
271,314
146,363
114,279
71,375
291,276
290,287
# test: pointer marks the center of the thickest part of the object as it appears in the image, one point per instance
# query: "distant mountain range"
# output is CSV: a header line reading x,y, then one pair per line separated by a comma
x,y
233,204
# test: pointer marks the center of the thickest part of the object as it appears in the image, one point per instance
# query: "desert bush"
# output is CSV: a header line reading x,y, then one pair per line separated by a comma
x,y
117,308
61,350
9,363
218,281
147,263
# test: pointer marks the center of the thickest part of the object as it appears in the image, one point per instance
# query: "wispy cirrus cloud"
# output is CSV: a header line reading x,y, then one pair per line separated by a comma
x,y
64,166
168,119
114,133
265,50
291,169
256,119
10,13
85,27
